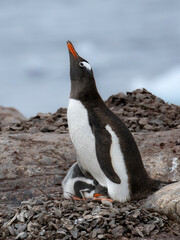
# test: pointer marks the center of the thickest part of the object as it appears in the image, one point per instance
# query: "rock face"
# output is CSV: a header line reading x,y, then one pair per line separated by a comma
x,y
10,115
161,153
166,201
32,163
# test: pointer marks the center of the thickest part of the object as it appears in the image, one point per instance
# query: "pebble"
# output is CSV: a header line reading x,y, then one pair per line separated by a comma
x,y
21,235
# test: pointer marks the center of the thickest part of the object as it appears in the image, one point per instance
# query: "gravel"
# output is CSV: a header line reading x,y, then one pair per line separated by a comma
x,y
52,217
142,111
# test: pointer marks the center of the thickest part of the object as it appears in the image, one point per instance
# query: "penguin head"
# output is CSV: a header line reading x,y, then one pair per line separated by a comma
x,y
81,73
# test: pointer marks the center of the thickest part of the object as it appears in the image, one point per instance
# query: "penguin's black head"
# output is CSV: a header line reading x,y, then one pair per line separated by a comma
x,y
82,78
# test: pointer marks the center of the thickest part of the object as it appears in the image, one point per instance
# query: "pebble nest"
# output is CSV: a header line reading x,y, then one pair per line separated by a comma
x,y
140,110
52,217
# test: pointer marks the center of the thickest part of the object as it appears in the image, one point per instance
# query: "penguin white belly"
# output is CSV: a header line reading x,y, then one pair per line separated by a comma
x,y
84,142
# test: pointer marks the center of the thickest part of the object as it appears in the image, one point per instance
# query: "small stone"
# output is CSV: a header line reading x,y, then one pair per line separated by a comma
x,y
88,217
67,237
136,214
21,228
148,127
139,232
20,216
143,121
74,233
118,231
33,130
101,236
96,210
83,233
68,227
94,233
148,228
132,119
62,232
106,203
11,230
43,115
42,233
39,202
57,212
156,122
79,221
112,223
21,235
48,128
163,109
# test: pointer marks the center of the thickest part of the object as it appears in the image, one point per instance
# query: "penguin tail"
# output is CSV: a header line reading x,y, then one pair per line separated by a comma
x,y
157,184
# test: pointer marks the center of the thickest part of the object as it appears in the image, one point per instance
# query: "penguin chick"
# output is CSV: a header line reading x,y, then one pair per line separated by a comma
x,y
76,184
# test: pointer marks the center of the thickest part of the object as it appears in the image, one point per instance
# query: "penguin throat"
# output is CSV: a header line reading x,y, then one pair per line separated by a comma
x,y
84,90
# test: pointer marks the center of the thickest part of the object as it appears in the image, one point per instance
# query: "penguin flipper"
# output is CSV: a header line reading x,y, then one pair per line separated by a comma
x,y
103,144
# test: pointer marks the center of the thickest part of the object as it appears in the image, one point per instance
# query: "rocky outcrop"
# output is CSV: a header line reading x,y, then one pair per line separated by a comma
x,y
143,111
10,115
42,122
166,201
161,153
32,163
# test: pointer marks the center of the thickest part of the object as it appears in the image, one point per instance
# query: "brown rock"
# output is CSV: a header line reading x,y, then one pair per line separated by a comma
x,y
160,153
143,121
118,232
132,120
31,162
10,115
141,103
148,127
166,201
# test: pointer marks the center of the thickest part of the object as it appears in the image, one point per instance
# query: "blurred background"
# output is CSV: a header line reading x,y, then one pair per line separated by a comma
x,y
129,44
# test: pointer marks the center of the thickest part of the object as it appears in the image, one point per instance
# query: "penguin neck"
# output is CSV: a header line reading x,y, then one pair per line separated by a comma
x,y
85,92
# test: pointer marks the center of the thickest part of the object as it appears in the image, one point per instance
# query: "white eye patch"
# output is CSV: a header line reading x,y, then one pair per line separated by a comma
x,y
86,65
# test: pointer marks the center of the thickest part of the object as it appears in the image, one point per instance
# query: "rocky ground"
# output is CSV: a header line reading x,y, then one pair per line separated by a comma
x,y
36,153
52,217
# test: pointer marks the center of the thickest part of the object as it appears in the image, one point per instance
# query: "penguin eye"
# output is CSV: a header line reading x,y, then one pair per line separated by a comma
x,y
81,64
86,65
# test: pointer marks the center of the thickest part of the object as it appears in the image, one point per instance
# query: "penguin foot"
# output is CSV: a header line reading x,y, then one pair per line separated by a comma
x,y
102,199
99,198
79,199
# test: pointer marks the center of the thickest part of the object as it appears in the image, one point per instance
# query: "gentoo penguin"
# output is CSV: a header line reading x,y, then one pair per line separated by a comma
x,y
78,185
106,150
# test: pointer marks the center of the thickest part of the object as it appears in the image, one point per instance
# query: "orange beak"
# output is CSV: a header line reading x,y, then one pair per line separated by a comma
x,y
71,49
